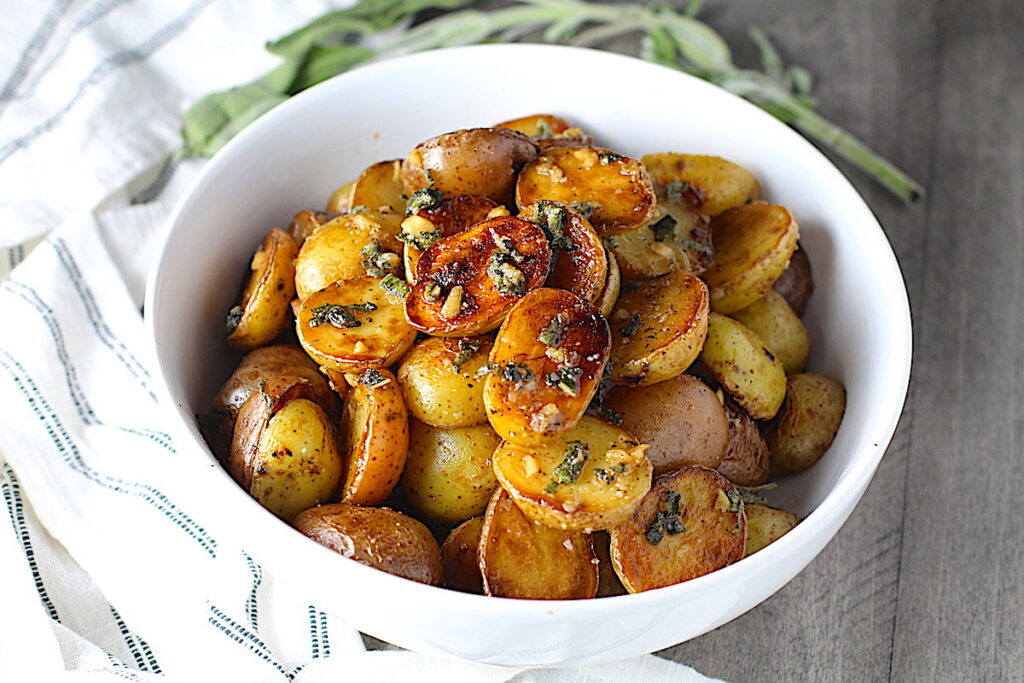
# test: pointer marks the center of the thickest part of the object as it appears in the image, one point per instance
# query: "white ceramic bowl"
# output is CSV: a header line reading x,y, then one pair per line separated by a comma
x,y
293,158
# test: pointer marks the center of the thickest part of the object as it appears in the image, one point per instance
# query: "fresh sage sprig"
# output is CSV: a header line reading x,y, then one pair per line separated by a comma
x,y
343,39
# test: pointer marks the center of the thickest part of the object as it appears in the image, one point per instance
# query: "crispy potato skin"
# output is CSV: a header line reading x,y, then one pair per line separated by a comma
x,y
658,328
781,329
266,363
306,222
612,286
333,253
681,420
459,557
619,189
717,184
271,286
807,422
739,360
765,525
714,536
375,441
462,260
450,216
746,458
522,559
438,394
535,410
480,161
379,537
608,581
448,475
340,200
796,284
582,270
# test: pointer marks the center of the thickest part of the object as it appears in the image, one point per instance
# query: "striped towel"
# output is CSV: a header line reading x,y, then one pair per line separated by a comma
x,y
106,573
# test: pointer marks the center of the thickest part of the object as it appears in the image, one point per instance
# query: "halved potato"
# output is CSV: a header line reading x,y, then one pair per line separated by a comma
x,y
263,312
807,422
546,363
753,245
449,216
608,583
746,458
440,382
714,183
658,328
481,161
581,261
780,328
615,188
459,557
593,477
739,360
379,188
354,325
340,200
548,131
335,252
796,284
449,476
522,559
379,537
612,286
306,222
269,362
375,438
765,525
681,420
467,283
690,524
676,238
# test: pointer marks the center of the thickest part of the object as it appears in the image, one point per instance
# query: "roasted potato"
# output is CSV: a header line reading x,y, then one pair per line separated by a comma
x,y
592,477
354,325
681,420
379,188
616,189
780,328
440,381
753,245
807,422
612,286
689,524
746,458
263,312
467,283
608,583
796,284
676,238
459,557
375,438
340,200
546,363
265,363
449,476
480,161
306,222
378,537
448,216
548,131
739,360
522,559
716,184
581,261
658,328
339,250
765,525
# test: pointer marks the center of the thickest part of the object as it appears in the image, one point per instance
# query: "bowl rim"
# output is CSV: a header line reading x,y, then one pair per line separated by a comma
x,y
830,512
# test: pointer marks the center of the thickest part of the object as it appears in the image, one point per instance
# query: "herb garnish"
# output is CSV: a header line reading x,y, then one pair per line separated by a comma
x,y
233,319
517,373
420,240
609,157
376,262
553,219
339,316
663,228
676,189
552,334
608,475
544,130
467,349
569,470
431,292
630,328
598,405
667,521
395,286
610,242
372,378
566,379
583,208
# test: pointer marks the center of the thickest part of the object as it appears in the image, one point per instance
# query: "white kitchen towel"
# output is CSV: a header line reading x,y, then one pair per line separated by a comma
x,y
106,573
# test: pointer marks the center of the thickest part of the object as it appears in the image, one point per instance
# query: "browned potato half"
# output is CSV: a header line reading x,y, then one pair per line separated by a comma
x,y
375,438
615,188
447,217
265,363
780,328
765,525
548,131
481,161
716,184
796,284
807,422
612,286
581,261
448,476
263,313
341,250
690,524
440,382
459,557
306,222
354,325
545,366
739,360
746,459
753,245
378,537
677,238
522,559
680,419
608,583
379,188
467,283
658,328
593,477
340,200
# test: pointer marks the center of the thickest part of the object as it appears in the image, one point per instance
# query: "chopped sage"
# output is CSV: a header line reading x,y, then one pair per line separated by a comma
x,y
338,315
569,470
467,349
610,157
567,379
610,242
420,240
553,219
630,328
741,496
663,229
583,208
667,521
233,319
376,262
676,189
372,378
395,286
432,292
507,251
517,373
507,278
544,130
599,406
552,334
608,475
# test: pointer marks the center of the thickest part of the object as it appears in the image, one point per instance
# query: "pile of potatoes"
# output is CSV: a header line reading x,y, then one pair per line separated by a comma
x,y
574,368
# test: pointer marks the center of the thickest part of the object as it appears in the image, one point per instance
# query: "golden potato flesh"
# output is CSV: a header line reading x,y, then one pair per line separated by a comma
x,y
658,327
753,245
714,183
379,188
796,284
581,261
440,381
340,200
449,476
375,438
447,217
676,238
306,222
480,161
746,458
681,420
690,524
546,363
378,537
354,325
780,328
739,360
263,312
765,525
522,559
615,189
807,423
467,283
612,286
337,251
593,477
459,557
